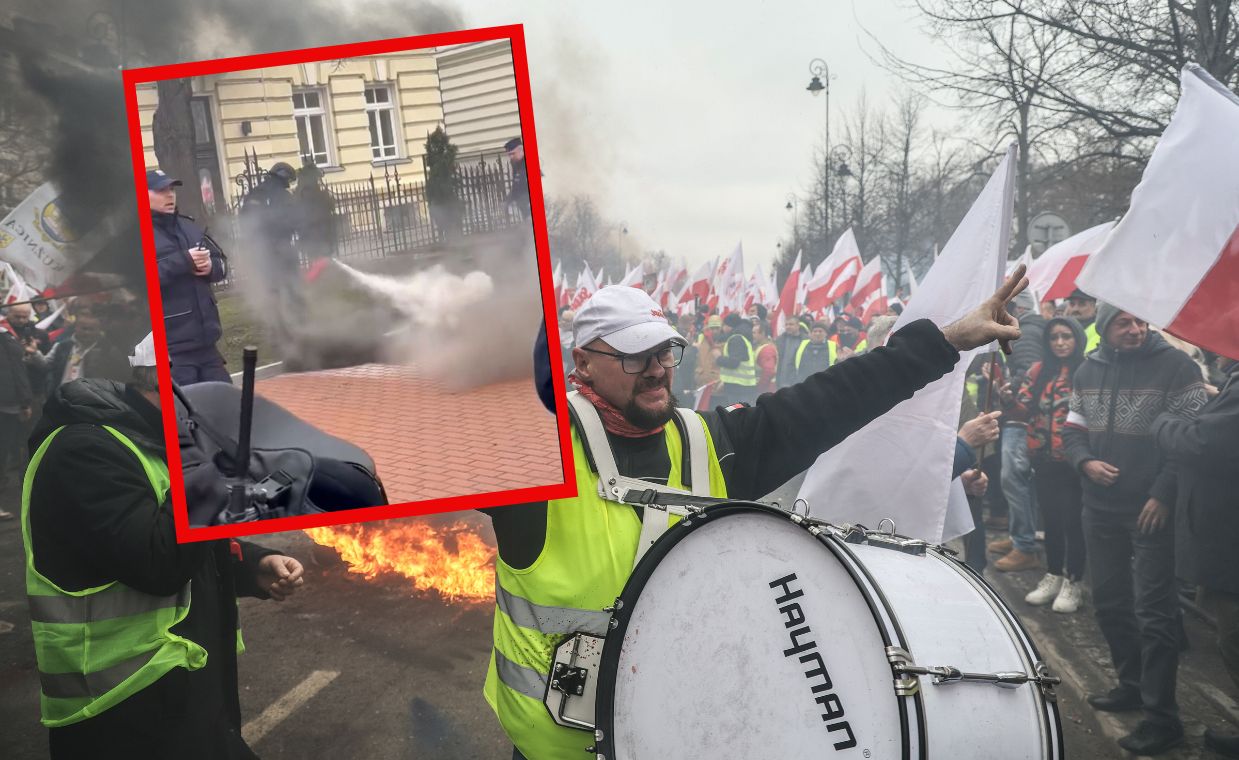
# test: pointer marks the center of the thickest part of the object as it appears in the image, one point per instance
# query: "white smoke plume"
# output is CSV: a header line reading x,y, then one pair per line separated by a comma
x,y
434,298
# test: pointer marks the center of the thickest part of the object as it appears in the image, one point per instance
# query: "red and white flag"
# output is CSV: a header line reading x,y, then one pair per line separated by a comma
x,y
729,281
586,286
836,276
868,289
787,297
699,284
1052,275
876,303
1173,260
635,277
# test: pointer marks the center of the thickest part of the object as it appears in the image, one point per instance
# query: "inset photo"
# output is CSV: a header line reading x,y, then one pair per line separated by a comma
x,y
349,251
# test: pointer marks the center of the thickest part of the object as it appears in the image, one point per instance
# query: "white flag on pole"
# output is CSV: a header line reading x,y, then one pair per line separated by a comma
x,y
899,465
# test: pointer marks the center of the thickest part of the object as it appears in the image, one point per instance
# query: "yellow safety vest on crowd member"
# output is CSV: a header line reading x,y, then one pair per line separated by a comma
x,y
590,547
99,646
1091,339
744,373
832,349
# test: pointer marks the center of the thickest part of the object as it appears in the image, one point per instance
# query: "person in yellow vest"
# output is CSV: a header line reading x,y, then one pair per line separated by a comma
x,y
849,339
815,354
136,636
1083,308
737,362
561,562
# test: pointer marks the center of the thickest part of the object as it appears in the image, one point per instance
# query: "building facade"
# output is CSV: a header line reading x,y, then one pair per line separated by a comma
x,y
354,118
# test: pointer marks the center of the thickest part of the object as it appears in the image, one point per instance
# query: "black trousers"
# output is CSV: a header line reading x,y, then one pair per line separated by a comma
x,y
199,367
1134,594
1059,496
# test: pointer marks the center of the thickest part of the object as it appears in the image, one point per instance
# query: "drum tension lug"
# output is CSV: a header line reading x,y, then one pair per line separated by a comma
x,y
568,679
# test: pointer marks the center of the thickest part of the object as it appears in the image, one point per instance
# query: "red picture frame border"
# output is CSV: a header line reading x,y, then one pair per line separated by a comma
x,y
515,35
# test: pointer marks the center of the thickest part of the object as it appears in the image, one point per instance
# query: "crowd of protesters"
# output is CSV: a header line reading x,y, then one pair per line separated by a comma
x,y
35,361
1101,454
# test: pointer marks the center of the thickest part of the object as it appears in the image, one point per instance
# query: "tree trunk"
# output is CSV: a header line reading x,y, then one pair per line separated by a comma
x,y
173,130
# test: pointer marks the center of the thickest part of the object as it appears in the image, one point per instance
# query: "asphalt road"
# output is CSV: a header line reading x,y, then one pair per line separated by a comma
x,y
351,668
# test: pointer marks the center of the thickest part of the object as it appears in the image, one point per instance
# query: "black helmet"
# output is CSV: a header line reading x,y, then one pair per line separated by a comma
x,y
284,172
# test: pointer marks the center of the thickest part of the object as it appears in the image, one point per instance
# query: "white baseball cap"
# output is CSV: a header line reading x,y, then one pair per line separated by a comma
x,y
144,352
626,318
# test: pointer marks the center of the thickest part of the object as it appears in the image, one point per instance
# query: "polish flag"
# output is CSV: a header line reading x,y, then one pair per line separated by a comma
x,y
787,298
635,277
1173,260
677,277
729,281
1052,275
763,291
699,285
557,281
836,276
868,287
802,287
876,303
586,286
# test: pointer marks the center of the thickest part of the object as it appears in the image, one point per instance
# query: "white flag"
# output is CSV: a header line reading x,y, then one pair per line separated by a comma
x,y
899,465
35,239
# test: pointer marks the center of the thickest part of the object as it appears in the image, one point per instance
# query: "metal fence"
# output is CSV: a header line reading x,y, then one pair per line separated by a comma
x,y
390,214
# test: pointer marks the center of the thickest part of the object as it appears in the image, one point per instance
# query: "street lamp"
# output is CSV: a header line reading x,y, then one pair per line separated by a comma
x,y
839,158
820,83
793,205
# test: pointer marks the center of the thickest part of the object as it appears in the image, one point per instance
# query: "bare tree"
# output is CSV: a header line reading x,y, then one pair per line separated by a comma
x,y
1006,68
173,130
1133,51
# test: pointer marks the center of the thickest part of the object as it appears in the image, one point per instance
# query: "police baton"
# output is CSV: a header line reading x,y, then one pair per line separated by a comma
x,y
238,490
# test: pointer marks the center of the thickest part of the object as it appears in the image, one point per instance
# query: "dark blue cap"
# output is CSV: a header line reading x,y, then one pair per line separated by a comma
x,y
156,179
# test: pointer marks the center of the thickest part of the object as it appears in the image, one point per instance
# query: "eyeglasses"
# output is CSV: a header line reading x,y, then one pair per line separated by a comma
x,y
635,364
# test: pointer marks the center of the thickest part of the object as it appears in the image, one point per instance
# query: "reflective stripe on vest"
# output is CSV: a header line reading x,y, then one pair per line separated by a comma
x,y
832,352
586,559
98,646
744,373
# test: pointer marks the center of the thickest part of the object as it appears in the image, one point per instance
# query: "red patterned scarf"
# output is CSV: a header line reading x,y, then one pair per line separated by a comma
x,y
612,418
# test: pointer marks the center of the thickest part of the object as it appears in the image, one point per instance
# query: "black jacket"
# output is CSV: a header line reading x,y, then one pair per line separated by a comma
x,y
1114,399
14,379
105,362
191,317
761,447
269,218
1206,506
1029,349
94,519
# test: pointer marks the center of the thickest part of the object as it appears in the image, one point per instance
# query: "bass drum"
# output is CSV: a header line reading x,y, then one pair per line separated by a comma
x,y
750,632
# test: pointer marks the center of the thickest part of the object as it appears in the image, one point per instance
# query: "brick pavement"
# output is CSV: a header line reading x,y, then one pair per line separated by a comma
x,y
428,441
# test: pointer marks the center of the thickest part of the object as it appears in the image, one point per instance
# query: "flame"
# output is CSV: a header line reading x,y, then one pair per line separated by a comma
x,y
452,560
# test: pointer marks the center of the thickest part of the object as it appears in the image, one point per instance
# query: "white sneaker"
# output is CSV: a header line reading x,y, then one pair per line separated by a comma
x,y
1069,598
1046,591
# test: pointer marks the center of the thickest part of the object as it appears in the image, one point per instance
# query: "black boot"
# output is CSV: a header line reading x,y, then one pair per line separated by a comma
x,y
1118,699
1226,745
1152,738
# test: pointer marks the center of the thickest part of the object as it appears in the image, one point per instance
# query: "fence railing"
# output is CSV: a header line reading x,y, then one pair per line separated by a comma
x,y
389,214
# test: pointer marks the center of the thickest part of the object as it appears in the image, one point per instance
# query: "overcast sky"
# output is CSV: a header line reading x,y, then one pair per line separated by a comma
x,y
690,120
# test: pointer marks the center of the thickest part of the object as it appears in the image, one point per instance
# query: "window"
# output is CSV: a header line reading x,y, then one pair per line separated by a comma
x,y
311,125
381,112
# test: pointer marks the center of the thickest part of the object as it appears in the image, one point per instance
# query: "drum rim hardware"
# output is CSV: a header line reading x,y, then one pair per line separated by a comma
x,y
903,664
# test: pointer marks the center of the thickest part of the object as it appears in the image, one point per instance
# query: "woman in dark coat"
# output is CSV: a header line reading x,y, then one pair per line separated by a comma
x,y
1042,402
